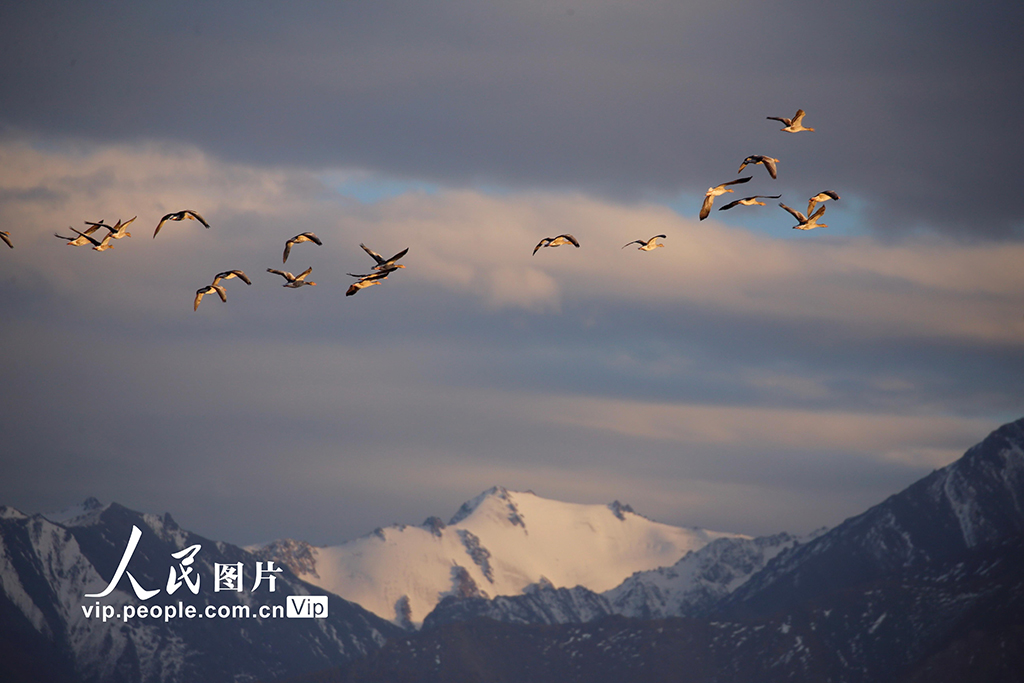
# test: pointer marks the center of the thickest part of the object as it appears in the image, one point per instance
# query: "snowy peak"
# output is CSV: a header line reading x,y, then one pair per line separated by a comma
x,y
85,513
498,543
7,512
495,503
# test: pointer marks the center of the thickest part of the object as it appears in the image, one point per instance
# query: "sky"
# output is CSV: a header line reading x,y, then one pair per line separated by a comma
x,y
747,377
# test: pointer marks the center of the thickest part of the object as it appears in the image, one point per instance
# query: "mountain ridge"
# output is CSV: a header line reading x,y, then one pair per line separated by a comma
x,y
497,543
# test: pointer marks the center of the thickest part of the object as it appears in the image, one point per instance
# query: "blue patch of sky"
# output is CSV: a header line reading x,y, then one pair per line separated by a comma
x,y
369,189
845,218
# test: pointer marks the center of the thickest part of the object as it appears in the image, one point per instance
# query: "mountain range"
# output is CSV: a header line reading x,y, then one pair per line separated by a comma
x,y
928,585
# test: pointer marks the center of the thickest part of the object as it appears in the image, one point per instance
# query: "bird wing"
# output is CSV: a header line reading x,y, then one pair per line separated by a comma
x,y
744,164
769,163
543,243
283,273
161,223
817,214
796,214
398,255
312,238
7,239
737,181
798,117
241,276
786,121
94,242
287,250
571,239
830,193
633,242
195,214
199,297
223,293
732,204
376,257
302,276
705,208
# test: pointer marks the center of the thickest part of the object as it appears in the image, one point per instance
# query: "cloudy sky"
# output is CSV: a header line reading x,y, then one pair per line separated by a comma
x,y
747,377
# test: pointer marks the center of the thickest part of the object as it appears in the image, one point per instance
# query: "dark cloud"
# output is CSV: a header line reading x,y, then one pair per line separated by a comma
x,y
913,103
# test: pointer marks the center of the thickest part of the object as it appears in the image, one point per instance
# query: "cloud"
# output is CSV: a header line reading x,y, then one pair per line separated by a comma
x,y
653,101
729,363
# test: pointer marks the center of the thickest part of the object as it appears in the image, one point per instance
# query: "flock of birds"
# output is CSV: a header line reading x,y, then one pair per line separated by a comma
x,y
385,267
804,222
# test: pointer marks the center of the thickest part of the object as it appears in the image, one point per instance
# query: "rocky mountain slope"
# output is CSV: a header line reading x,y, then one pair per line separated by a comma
x,y
51,631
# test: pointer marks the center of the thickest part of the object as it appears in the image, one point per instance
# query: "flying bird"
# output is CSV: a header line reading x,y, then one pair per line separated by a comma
x,y
368,280
793,125
228,274
769,163
294,281
649,245
6,237
102,245
304,237
822,196
806,223
81,240
750,201
382,263
709,196
564,238
210,289
117,231
180,216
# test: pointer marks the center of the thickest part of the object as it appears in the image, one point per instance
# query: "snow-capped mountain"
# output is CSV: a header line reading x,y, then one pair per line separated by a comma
x,y
50,630
926,586
497,544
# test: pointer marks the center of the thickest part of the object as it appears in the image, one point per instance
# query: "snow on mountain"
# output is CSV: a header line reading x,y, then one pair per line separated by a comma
x,y
85,513
47,568
499,543
700,579
976,500
690,587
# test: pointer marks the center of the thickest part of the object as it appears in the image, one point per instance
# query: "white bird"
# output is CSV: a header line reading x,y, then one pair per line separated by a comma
x,y
564,238
769,163
6,237
81,240
180,216
750,201
228,274
117,231
368,280
793,125
709,196
649,245
102,245
822,196
294,281
304,237
209,289
382,263
806,223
